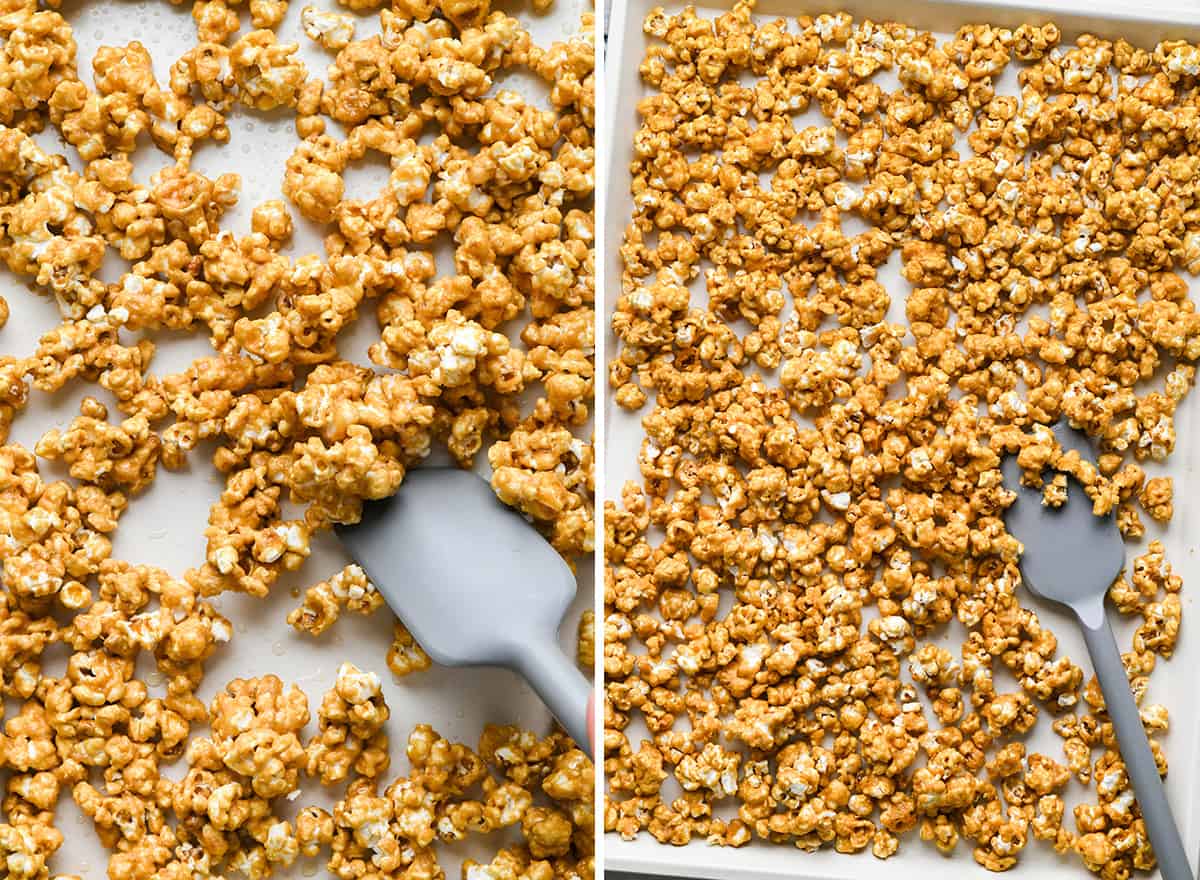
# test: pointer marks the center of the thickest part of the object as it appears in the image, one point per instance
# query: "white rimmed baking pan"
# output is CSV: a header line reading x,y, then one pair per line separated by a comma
x,y
165,526
1173,683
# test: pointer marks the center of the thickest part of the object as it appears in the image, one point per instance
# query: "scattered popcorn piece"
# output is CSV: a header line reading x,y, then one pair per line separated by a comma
x,y
333,30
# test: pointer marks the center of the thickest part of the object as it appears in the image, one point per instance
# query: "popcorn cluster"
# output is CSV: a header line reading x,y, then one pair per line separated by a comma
x,y
225,813
490,353
834,477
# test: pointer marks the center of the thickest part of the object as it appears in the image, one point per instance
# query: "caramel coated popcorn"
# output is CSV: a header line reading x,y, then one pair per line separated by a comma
x,y
474,265
540,787
820,489
324,602
352,738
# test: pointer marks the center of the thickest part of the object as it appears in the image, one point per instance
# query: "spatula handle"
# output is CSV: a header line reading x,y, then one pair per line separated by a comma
x,y
1135,748
561,686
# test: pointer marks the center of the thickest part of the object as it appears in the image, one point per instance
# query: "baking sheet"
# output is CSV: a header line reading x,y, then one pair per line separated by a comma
x,y
165,526
1173,682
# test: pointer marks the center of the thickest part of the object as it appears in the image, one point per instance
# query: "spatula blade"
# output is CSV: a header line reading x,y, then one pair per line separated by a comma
x,y
1070,554
468,576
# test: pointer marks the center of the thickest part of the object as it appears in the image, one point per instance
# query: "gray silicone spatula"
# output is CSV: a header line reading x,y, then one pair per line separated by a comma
x,y
474,583
1071,556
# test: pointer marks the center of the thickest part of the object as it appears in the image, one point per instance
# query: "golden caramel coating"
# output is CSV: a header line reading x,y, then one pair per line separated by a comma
x,y
332,30
351,737
820,491
266,74
323,603
474,266
541,787
405,656
109,456
585,641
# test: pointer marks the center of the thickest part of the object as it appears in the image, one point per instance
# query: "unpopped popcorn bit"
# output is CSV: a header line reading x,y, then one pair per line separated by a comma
x,y
820,489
